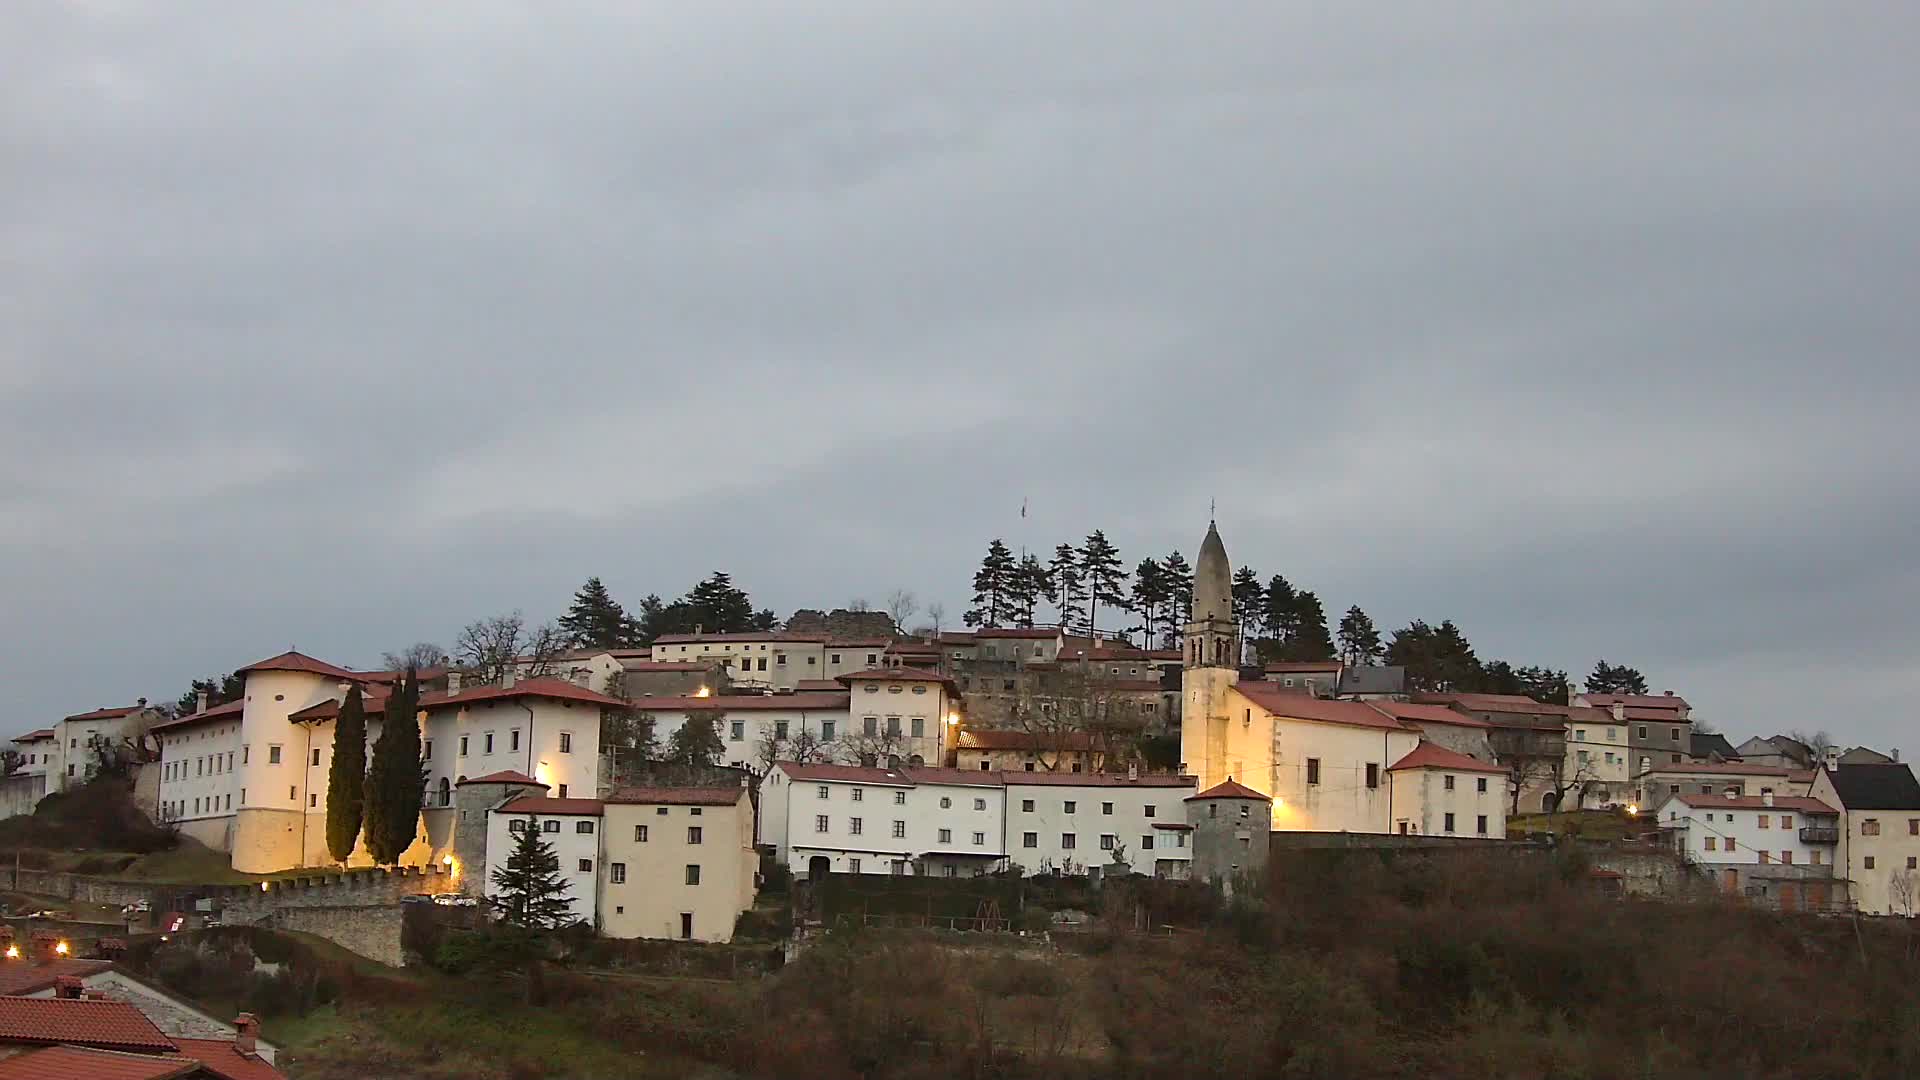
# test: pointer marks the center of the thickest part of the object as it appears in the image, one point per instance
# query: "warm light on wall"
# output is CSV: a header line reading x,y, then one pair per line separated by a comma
x,y
61,948
703,692
953,719
13,952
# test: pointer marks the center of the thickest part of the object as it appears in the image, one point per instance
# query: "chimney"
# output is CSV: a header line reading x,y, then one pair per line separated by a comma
x,y
142,702
581,677
1669,693
246,1032
453,683
508,673
202,699
1833,757
1766,797
112,948
1894,753
1133,770
68,987
1619,712
1733,793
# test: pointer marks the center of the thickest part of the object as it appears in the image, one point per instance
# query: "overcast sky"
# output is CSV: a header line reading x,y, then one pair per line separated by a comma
x,y
1593,331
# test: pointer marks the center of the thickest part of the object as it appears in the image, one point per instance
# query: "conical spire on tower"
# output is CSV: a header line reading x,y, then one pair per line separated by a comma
x,y
1212,580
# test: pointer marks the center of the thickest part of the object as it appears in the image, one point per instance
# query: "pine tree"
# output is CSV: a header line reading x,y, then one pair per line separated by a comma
x,y
1105,578
1064,572
1359,641
1179,589
1436,658
1544,684
347,778
1311,640
529,890
221,690
396,781
1149,596
1247,601
992,584
716,606
1615,679
1280,615
596,621
697,741
1025,588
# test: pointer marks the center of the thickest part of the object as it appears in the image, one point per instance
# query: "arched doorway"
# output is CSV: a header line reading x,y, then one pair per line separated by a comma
x,y
446,792
819,867
916,761
1550,802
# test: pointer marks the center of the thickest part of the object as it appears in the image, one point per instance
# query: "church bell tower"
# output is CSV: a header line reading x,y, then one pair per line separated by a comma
x,y
1211,664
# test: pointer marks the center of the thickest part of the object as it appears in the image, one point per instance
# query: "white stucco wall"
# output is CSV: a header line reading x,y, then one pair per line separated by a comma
x,y
573,847
1477,800
655,894
1119,811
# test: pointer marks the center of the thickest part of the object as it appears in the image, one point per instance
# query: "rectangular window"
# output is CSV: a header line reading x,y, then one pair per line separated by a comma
x,y
550,826
513,739
426,751
919,727
693,878
639,834
763,664
566,742
946,836
870,725
1764,820
1149,810
313,800
899,830
854,825
1373,775
1449,820
979,839
463,746
946,802
586,866
617,873
1031,840
1106,841
1867,862
1106,808
780,730
563,791
859,794
1913,826
660,811
1480,785
516,825
1481,824
273,755
1313,770
1870,827
1146,842
694,834
1447,781
486,746
739,730
822,792
1066,841
1786,821
1787,857
1026,806
893,725
853,866
826,731
820,823
1729,843
899,798
583,828
1071,805
315,761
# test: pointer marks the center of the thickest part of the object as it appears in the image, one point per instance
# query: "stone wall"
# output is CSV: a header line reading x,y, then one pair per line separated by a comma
x,y
1649,873
374,887
89,890
372,932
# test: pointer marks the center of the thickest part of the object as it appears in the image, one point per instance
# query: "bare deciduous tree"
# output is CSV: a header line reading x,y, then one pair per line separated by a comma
x,y
901,606
487,646
936,614
419,656
1069,716
1903,892
880,748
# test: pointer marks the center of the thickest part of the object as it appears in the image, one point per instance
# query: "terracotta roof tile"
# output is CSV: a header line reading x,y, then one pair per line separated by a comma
x,y
1001,739
20,977
1757,802
746,635
554,689
1434,756
1231,789
106,714
1719,768
677,796
835,700
221,1058
643,666
36,734
898,674
1073,779
85,1063
109,1025
1664,702
227,711
1427,714
854,774
297,661
1021,632
1303,707
531,804
507,776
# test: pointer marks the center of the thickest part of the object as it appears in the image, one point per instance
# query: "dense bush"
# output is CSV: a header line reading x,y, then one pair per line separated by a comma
x,y
99,815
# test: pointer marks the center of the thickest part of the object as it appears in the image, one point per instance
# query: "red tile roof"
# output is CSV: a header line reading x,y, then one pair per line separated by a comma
x,y
1434,756
1757,802
84,1063
1023,632
1278,701
531,804
373,703
1231,789
296,661
1724,768
867,643
834,701
106,714
221,1058
1015,778
917,647
1427,714
36,734
109,1025
554,689
896,674
745,635
1665,702
677,796
856,774
217,712
664,665
506,777
20,977
1309,666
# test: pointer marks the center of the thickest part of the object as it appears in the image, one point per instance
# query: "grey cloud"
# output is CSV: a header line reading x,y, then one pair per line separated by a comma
x,y
1592,331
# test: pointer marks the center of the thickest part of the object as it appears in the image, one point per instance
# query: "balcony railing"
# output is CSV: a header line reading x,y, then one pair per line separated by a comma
x,y
1819,834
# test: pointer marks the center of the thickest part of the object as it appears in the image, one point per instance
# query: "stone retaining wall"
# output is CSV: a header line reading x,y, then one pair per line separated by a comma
x,y
374,887
85,889
372,932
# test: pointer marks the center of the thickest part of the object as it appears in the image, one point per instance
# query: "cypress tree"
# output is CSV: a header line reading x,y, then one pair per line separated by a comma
x,y
347,778
528,890
396,781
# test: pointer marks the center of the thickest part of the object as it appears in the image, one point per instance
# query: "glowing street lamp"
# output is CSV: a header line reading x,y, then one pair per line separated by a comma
x,y
61,948
13,952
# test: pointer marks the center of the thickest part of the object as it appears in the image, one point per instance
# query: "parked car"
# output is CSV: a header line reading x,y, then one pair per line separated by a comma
x,y
455,900
417,898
